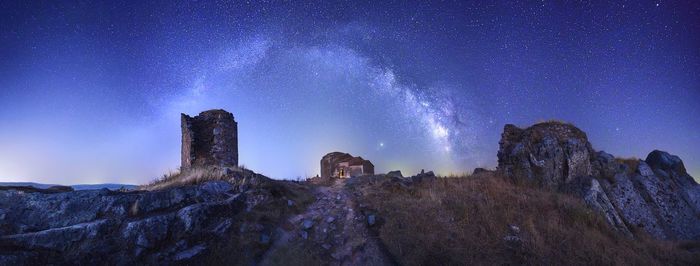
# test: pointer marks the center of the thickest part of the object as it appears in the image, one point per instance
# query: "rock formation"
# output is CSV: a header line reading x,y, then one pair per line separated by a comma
x,y
395,173
187,224
656,195
551,154
173,226
210,138
338,164
104,227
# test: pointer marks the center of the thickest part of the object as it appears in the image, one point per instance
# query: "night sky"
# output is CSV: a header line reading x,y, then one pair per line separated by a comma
x,y
92,92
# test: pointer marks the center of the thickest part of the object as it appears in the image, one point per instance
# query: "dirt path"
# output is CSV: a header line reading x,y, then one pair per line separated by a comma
x,y
334,228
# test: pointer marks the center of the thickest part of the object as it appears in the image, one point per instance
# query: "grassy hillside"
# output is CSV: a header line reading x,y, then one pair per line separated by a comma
x,y
483,219
475,220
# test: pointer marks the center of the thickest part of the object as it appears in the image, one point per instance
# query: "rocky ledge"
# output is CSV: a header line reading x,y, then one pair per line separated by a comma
x,y
107,227
655,195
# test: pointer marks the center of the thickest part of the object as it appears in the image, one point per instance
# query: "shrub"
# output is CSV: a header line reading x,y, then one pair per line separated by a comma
x,y
632,164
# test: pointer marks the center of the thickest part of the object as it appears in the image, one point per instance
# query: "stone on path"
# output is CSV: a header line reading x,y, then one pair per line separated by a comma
x,y
371,219
307,224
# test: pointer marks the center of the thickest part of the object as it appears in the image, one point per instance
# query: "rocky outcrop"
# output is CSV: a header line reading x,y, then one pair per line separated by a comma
x,y
107,227
590,190
210,138
655,195
423,175
658,200
551,154
482,171
396,174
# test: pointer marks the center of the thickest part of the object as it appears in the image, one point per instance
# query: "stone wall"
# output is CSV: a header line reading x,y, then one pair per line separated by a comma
x,y
331,162
210,138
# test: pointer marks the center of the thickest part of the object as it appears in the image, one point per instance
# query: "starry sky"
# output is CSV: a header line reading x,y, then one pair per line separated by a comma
x,y
92,92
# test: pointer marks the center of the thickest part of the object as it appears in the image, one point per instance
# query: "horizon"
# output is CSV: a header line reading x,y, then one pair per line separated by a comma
x,y
92,93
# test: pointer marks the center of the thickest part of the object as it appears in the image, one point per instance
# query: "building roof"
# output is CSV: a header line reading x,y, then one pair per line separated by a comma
x,y
358,161
341,157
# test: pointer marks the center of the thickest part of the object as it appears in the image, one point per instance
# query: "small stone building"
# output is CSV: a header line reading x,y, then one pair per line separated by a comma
x,y
344,165
210,138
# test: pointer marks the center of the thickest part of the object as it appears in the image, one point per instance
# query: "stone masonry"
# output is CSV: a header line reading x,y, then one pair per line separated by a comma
x,y
210,138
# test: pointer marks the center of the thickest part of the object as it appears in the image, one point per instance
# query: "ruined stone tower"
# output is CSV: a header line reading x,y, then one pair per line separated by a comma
x,y
211,138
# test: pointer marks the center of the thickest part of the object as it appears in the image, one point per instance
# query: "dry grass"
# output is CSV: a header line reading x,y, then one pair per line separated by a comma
x,y
197,176
632,163
554,128
298,254
463,221
553,121
270,207
243,245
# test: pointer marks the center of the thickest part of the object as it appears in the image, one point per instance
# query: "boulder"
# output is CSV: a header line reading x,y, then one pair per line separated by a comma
x,y
663,160
549,154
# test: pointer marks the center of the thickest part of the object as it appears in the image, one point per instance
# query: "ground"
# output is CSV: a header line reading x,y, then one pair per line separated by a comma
x,y
370,220
332,230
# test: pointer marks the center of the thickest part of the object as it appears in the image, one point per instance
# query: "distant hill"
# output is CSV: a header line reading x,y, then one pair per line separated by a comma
x,y
109,186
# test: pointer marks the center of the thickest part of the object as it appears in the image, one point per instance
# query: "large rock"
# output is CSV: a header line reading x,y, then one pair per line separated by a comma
x,y
550,154
655,195
633,205
595,197
671,193
604,165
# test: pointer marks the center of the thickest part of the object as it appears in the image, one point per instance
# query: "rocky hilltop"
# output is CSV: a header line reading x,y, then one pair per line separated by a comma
x,y
100,226
656,195
168,226
552,200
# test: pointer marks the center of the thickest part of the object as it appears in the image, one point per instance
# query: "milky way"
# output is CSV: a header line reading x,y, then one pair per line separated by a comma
x,y
291,77
92,92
